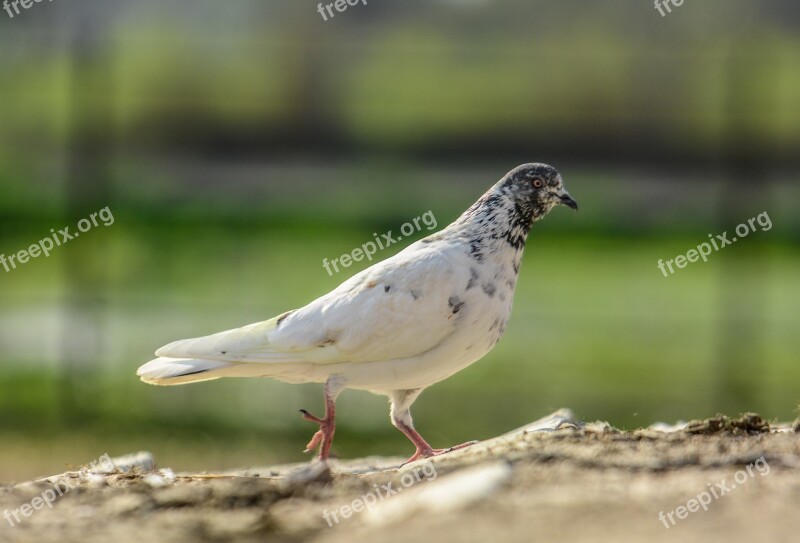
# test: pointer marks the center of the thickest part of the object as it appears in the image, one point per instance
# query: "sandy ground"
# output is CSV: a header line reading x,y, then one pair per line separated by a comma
x,y
554,480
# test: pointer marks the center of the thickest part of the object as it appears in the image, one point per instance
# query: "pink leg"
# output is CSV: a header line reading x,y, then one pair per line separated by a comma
x,y
423,449
327,426
401,418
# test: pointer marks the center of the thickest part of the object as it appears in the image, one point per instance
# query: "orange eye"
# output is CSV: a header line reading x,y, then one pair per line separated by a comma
x,y
537,183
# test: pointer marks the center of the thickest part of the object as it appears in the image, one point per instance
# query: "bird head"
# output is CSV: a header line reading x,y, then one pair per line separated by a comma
x,y
538,186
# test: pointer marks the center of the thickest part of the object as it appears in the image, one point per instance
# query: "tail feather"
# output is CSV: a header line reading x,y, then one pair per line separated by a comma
x,y
246,344
178,371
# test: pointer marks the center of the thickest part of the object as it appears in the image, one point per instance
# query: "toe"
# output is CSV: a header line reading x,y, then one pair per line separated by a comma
x,y
309,417
428,453
315,441
462,446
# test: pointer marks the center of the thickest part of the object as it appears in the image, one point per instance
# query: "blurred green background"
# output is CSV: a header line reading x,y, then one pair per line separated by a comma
x,y
238,144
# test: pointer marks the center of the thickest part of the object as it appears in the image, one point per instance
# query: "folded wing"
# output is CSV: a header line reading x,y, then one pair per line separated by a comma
x,y
398,308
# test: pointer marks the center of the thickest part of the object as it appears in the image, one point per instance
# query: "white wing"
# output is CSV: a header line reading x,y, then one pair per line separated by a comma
x,y
398,308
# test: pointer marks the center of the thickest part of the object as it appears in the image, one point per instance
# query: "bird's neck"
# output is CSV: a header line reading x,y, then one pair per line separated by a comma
x,y
496,227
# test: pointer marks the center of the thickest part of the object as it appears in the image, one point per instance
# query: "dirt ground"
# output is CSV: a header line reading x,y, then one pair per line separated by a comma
x,y
553,480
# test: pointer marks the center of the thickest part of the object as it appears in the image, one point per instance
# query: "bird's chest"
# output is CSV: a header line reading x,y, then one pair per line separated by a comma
x,y
486,303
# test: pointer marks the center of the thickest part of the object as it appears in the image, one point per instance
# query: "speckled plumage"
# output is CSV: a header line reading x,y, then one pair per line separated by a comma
x,y
399,326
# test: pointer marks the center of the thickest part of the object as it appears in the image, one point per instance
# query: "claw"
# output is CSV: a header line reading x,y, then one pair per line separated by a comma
x,y
323,437
311,418
423,452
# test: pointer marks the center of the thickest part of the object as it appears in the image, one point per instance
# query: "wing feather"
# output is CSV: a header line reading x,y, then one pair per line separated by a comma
x,y
396,309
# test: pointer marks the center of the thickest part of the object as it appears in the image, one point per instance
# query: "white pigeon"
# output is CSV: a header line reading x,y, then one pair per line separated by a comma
x,y
397,327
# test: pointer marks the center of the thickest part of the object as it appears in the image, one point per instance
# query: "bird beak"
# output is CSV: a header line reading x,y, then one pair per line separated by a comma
x,y
565,199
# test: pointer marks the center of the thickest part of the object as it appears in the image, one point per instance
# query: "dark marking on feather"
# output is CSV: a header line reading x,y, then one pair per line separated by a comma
x,y
416,294
489,289
282,318
473,278
387,288
455,304
188,373
475,247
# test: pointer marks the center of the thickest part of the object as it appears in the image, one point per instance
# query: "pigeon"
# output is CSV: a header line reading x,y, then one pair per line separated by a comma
x,y
395,328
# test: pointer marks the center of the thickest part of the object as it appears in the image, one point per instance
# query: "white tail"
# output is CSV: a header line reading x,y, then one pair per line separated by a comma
x,y
179,371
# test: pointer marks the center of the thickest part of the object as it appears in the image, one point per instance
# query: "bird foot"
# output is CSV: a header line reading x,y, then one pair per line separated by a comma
x,y
423,452
323,437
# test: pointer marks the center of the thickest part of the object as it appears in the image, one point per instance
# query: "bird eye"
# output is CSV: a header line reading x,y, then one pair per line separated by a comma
x,y
537,183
